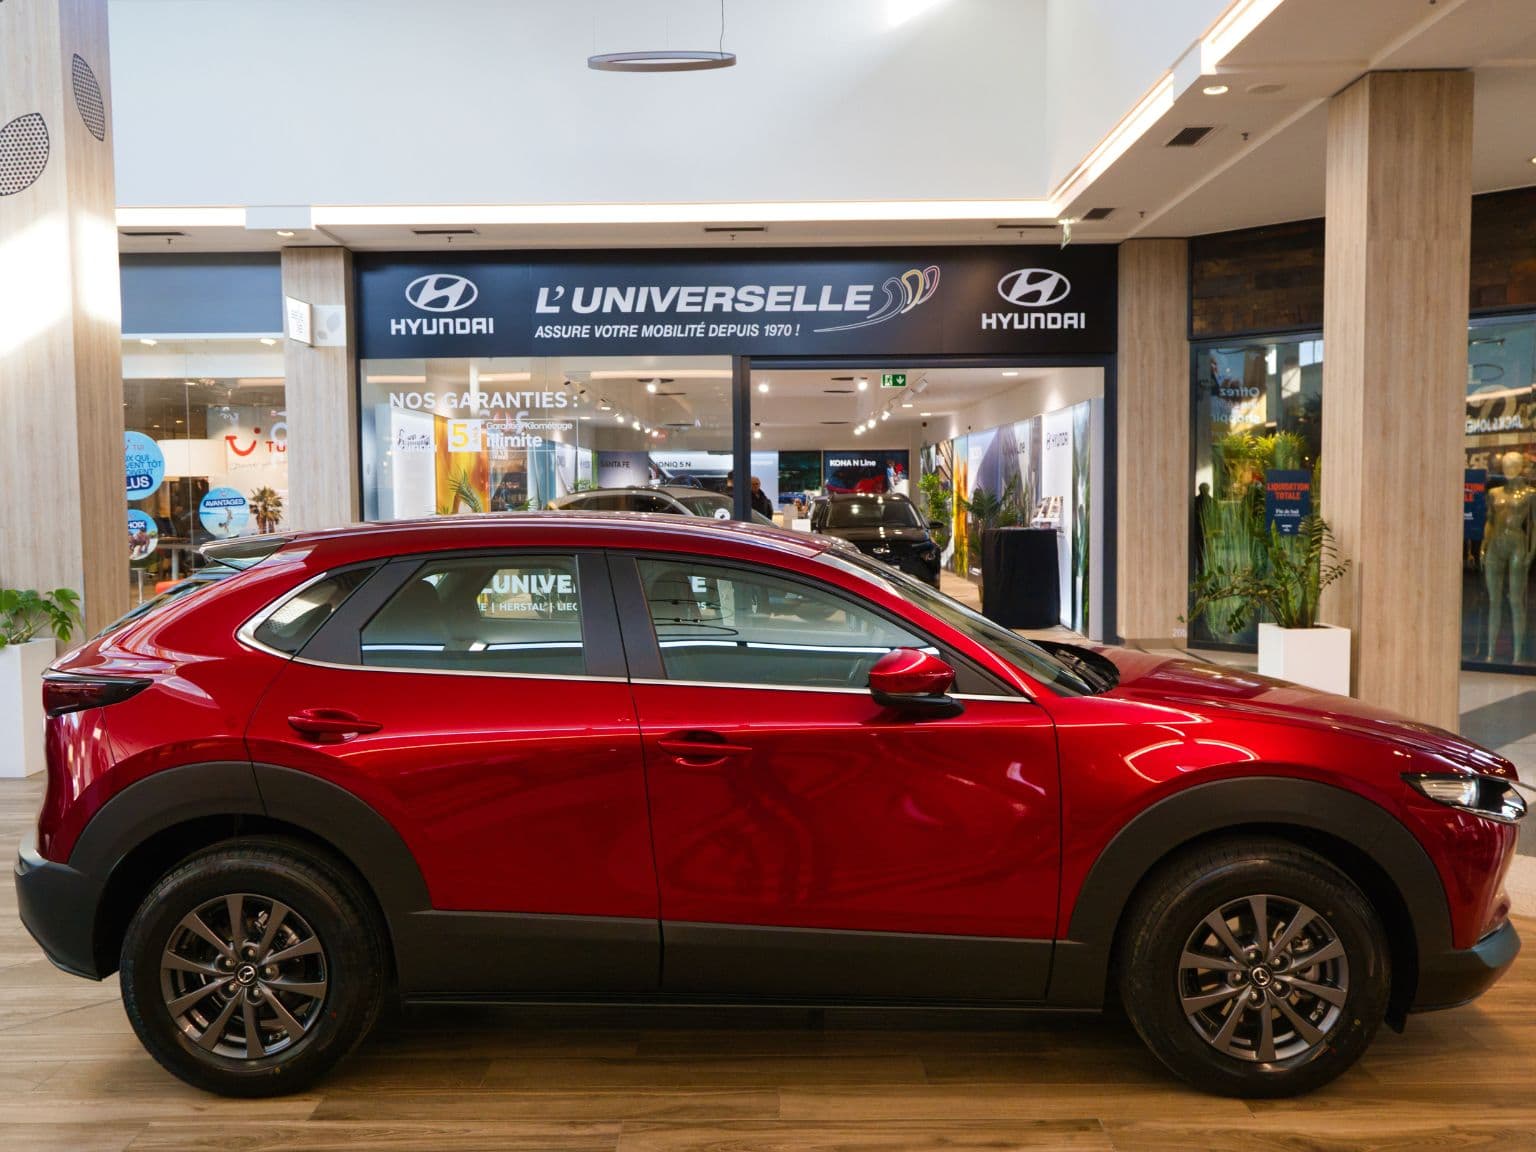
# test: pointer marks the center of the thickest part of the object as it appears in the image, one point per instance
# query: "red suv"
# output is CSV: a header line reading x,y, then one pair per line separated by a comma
x,y
593,757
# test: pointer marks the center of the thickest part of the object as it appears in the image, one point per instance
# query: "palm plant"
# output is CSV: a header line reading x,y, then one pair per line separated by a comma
x,y
267,507
1283,584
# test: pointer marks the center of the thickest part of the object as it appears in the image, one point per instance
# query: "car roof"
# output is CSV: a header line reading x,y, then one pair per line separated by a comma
x,y
497,529
866,496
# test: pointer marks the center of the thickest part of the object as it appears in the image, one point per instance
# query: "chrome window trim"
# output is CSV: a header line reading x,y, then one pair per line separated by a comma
x,y
562,676
654,683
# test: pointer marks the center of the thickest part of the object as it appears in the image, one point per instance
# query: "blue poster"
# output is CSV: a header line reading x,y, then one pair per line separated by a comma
x,y
143,535
144,465
1287,499
1474,503
224,512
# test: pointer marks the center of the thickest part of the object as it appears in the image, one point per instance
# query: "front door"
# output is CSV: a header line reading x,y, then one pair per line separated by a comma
x,y
810,842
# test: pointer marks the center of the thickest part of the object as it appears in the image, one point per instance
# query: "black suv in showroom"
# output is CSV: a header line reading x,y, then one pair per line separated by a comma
x,y
885,525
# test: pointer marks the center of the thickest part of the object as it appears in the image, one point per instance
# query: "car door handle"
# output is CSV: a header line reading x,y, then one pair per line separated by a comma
x,y
330,724
701,749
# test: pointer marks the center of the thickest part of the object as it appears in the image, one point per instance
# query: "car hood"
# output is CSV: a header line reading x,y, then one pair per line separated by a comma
x,y
878,535
1170,680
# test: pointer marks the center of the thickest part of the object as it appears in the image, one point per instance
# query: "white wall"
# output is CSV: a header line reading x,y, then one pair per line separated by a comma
x,y
1059,388
283,102
1102,56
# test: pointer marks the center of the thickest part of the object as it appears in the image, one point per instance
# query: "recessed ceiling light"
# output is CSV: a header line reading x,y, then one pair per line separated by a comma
x,y
863,383
925,413
763,387
886,415
635,424
147,342
1533,159
619,416
859,431
583,417
650,386
906,404
1010,371
1215,89
284,233
268,341
756,434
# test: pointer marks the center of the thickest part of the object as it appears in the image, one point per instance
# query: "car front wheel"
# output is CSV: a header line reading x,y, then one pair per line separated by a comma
x,y
1254,968
252,968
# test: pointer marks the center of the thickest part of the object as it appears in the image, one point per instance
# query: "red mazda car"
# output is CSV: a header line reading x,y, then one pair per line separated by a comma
x,y
565,755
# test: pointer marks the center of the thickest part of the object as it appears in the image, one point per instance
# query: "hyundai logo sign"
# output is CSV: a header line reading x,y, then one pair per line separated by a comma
x,y
1034,287
440,292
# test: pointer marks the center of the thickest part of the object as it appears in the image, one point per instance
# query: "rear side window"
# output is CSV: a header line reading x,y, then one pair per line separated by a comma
x,y
510,613
289,627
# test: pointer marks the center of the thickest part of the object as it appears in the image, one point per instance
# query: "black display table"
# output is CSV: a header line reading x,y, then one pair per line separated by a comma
x,y
1020,579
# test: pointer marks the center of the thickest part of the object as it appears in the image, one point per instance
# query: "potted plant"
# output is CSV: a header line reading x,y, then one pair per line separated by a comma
x,y
1281,587
937,507
24,655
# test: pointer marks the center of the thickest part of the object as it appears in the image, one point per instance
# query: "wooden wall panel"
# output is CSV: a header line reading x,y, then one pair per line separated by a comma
x,y
1152,530
61,407
1399,212
322,398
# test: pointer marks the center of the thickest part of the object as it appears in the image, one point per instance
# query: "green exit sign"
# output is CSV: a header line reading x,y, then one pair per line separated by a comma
x,y
893,380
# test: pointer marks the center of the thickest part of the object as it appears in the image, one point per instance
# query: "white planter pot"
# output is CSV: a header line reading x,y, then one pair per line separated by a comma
x,y
21,706
1313,657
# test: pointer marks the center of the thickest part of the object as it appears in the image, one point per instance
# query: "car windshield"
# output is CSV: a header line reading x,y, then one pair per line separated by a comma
x,y
1029,658
872,512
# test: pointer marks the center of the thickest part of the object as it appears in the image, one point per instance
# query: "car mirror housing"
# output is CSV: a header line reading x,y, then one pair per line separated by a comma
x,y
914,682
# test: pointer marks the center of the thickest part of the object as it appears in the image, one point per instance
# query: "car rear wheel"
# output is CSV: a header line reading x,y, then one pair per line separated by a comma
x,y
252,968
1254,968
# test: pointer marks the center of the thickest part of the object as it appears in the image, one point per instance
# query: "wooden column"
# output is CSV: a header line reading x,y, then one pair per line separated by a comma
x,y
322,398
64,513
1152,486
1399,198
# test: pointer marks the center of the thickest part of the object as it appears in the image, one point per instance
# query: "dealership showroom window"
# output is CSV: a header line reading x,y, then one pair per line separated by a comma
x,y
689,570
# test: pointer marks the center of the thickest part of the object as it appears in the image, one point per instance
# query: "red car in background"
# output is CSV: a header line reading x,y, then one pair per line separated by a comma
x,y
643,758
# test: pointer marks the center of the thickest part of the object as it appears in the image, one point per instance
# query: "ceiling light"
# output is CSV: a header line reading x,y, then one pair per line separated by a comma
x,y
906,403
583,417
925,413
757,434
859,431
635,425
651,386
886,415
147,342
1533,159
284,233
660,61
1010,371
268,341
619,416
763,387
1215,89
863,383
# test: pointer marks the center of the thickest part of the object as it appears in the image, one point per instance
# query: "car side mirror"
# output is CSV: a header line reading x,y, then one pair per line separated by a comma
x,y
935,525
916,683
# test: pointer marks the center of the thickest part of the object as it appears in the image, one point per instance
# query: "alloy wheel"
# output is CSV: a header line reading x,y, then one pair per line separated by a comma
x,y
1263,979
244,976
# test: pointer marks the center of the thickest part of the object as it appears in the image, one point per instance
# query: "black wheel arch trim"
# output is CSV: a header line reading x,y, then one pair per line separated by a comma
x,y
1081,965
234,790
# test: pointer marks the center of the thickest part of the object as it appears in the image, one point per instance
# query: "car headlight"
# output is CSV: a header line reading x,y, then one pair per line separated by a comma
x,y
1489,796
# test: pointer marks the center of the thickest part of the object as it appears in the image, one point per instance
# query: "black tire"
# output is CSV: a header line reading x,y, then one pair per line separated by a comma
x,y
326,941
1335,976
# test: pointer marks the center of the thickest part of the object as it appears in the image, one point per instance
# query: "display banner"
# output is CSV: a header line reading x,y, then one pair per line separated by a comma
x,y
1287,499
1474,503
1026,301
867,470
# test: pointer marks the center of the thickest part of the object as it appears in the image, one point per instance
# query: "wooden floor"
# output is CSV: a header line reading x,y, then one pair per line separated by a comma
x,y
75,1079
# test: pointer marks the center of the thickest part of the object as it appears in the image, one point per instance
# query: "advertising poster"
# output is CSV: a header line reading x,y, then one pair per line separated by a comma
x,y
866,470
960,459
143,535
623,469
765,470
144,465
224,512
799,475
692,469
1056,481
1474,503
1287,499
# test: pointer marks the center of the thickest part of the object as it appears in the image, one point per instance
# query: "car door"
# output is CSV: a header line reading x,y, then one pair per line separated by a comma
x,y
809,841
478,702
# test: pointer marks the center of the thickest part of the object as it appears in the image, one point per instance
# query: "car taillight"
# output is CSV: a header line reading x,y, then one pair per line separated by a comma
x,y
63,692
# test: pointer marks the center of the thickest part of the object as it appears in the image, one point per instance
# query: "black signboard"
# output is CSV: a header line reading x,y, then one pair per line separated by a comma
x,y
1025,301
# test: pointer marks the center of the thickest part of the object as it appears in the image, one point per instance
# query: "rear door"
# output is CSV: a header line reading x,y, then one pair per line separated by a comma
x,y
478,702
809,841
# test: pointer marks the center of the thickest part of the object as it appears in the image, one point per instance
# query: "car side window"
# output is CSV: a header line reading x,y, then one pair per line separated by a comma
x,y
508,613
650,502
726,625
289,626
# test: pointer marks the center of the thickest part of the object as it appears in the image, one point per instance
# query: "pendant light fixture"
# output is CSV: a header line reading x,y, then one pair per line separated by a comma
x,y
666,61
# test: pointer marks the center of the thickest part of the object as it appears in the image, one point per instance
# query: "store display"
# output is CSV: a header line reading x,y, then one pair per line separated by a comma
x,y
1508,546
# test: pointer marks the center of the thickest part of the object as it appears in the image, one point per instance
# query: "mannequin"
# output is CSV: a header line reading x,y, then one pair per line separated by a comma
x,y
1508,543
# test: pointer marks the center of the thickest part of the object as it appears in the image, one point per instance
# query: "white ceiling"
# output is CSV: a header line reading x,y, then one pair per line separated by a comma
x,y
1264,163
